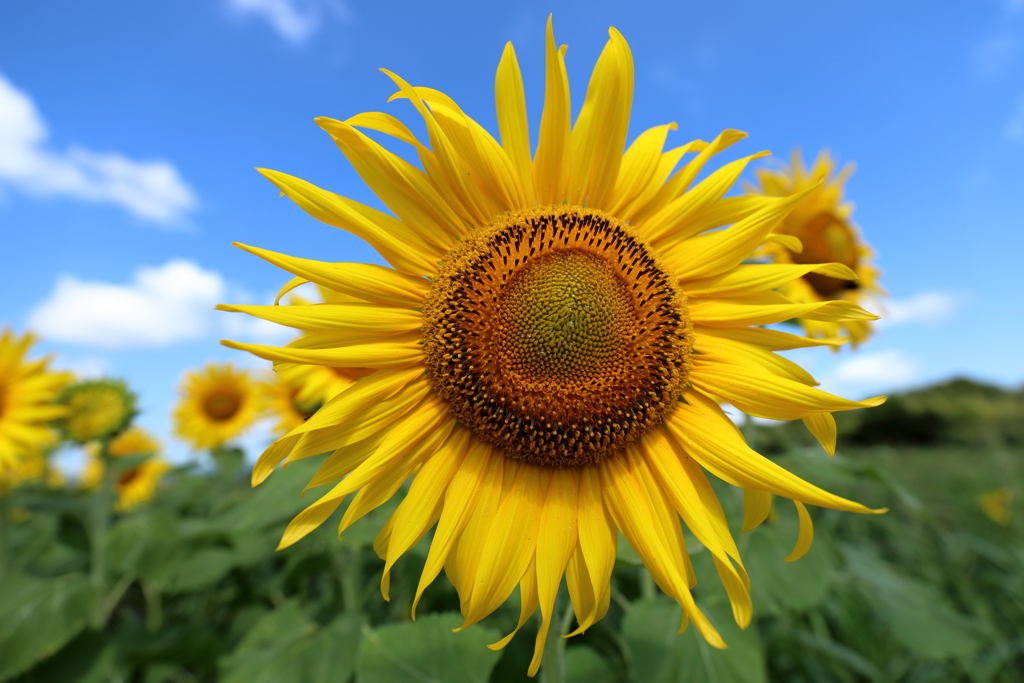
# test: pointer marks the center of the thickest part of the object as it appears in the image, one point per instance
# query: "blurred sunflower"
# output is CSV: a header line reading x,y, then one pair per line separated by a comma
x,y
825,233
298,391
27,393
96,409
28,467
551,344
137,484
218,403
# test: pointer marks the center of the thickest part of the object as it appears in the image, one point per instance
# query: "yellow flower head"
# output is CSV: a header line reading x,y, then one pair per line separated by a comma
x,y
27,393
551,341
96,409
820,230
137,484
997,505
218,402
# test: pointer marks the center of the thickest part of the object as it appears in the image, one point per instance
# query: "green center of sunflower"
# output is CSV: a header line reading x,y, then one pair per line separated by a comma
x,y
555,335
828,239
221,406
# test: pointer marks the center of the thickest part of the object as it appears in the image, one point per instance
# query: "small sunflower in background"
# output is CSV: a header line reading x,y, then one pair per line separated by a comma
x,y
29,467
96,410
551,342
297,391
217,403
997,505
28,389
824,232
136,484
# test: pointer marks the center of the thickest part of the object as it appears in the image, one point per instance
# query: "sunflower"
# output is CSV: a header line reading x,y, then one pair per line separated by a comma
x,y
218,402
27,393
27,467
96,410
134,485
551,344
820,230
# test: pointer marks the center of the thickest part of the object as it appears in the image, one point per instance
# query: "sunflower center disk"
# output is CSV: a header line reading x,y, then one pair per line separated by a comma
x,y
554,334
828,239
222,406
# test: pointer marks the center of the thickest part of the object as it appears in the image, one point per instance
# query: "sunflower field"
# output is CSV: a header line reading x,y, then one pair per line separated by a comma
x,y
567,433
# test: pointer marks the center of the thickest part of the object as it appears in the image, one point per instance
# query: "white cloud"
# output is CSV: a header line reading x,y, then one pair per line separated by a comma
x,y
151,190
294,20
160,306
925,307
885,368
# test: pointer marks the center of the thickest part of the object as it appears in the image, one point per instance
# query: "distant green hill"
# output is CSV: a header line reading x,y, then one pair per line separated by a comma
x,y
958,412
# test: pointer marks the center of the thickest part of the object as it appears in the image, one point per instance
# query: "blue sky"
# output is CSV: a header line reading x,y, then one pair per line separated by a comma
x,y
129,133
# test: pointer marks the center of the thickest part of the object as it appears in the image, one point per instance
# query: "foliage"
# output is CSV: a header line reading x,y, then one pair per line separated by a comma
x,y
931,591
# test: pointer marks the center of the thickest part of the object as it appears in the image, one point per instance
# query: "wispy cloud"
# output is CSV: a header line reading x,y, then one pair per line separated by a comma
x,y
294,20
925,307
160,306
884,368
151,190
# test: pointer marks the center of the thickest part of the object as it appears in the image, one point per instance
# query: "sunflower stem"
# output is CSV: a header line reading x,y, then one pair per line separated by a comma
x,y
98,546
553,670
5,533
647,588
350,582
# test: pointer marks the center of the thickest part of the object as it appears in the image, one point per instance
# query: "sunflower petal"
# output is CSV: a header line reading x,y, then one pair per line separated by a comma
x,y
510,99
365,281
382,355
757,505
823,427
360,318
753,279
551,165
806,537
739,313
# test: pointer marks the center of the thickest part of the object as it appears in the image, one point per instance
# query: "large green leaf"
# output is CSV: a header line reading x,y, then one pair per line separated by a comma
x,y
198,569
426,651
777,585
142,544
88,658
917,613
286,645
660,656
584,665
37,617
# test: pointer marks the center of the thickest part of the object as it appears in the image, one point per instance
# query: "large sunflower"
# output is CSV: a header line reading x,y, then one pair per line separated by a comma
x,y
218,402
134,485
552,341
27,393
825,233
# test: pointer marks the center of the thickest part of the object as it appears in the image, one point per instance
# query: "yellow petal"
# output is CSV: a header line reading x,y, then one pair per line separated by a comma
x,y
527,604
403,249
422,505
365,281
676,217
823,427
357,318
556,542
753,279
406,190
740,313
343,460
761,394
714,253
480,471
639,165
806,537
752,355
629,506
403,438
383,355
770,340
599,135
757,505
512,120
551,166
710,437
598,536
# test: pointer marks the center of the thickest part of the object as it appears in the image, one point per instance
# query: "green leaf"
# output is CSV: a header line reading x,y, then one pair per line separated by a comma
x,y
199,569
88,658
584,665
660,656
777,585
142,544
426,651
286,645
917,614
37,617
